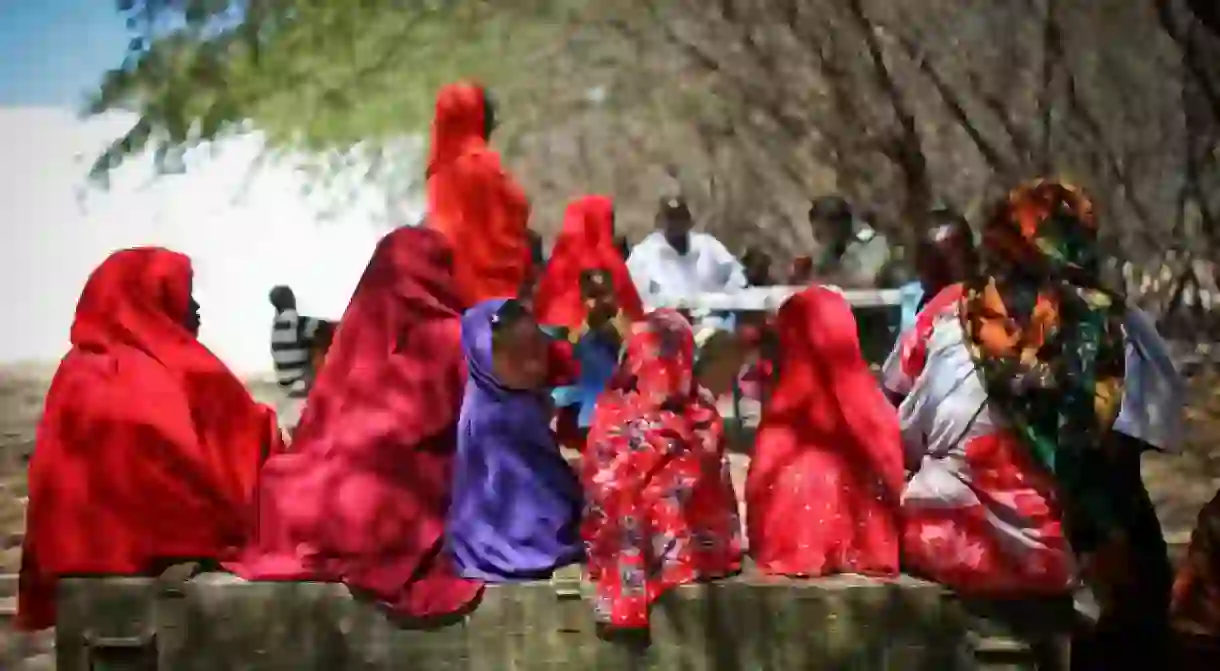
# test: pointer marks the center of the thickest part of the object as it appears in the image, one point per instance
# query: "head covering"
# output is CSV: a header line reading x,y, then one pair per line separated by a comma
x,y
474,202
661,508
139,396
585,243
362,497
516,502
658,366
458,125
828,438
1049,340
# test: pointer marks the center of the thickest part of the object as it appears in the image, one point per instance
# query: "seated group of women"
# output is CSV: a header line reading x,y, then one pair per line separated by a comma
x,y
426,465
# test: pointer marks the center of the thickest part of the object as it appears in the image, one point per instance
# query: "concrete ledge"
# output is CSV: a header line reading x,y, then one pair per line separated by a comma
x,y
216,621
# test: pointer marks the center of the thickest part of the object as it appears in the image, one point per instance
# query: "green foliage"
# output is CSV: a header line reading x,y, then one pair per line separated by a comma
x,y
317,75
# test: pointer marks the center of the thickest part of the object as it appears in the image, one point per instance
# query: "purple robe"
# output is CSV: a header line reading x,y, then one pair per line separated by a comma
x,y
515,512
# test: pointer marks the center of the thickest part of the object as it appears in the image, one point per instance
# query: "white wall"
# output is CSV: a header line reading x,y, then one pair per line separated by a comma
x,y
246,229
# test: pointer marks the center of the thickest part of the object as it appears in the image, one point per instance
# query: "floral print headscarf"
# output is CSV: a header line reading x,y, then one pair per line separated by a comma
x,y
1048,340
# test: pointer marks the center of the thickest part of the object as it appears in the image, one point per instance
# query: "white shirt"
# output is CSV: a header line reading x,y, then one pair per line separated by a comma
x,y
658,270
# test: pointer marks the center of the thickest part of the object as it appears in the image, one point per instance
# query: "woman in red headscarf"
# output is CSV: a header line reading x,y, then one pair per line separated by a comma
x,y
585,243
584,258
473,201
660,509
362,497
824,481
149,447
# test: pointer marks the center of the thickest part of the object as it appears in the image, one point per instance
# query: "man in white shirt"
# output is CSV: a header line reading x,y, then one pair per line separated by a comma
x,y
677,261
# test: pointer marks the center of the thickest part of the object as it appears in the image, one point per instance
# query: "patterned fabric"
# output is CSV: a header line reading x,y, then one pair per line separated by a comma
x,y
978,514
1049,342
660,509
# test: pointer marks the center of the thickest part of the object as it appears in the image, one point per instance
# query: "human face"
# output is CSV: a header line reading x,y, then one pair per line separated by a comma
x,y
600,302
519,348
676,225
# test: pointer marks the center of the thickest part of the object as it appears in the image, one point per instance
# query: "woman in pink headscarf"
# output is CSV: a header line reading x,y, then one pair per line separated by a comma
x,y
362,497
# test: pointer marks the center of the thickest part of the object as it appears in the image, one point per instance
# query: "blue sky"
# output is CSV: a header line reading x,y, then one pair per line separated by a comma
x,y
52,52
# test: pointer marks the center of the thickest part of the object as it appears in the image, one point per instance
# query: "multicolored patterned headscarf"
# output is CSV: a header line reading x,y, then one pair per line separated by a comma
x,y
1048,340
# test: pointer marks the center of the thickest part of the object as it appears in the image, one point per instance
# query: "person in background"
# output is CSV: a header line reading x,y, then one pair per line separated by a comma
x,y
292,351
677,262
853,251
826,474
661,510
1027,397
362,497
474,201
944,256
586,242
800,273
757,265
516,503
149,448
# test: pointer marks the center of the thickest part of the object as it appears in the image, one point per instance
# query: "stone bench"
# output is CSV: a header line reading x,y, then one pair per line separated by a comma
x,y
215,621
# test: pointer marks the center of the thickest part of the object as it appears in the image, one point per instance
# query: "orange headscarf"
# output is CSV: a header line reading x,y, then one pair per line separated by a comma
x,y
149,448
474,202
585,243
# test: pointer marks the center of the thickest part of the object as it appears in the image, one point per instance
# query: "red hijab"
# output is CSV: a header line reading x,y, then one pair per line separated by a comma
x,y
826,421
474,202
363,495
149,447
585,243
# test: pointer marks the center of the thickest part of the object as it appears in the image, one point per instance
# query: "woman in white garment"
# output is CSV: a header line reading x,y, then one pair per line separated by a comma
x,y
1028,393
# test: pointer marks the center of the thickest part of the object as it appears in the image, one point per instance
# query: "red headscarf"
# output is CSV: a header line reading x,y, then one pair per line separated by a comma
x,y
362,498
828,443
149,447
660,508
585,243
474,202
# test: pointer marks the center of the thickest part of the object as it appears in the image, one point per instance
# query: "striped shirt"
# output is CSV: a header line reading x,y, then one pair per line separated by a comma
x,y
291,336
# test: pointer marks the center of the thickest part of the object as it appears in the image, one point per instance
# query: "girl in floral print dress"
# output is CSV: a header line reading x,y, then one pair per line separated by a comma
x,y
660,508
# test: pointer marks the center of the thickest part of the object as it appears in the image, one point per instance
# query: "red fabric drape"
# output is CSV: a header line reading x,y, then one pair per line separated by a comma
x,y
474,201
824,481
149,447
362,497
586,242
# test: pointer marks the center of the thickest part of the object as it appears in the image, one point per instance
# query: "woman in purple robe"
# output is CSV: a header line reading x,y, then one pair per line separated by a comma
x,y
516,505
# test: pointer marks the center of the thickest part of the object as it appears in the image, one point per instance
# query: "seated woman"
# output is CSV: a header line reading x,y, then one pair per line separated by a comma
x,y
823,486
516,502
661,510
1028,395
363,495
149,447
